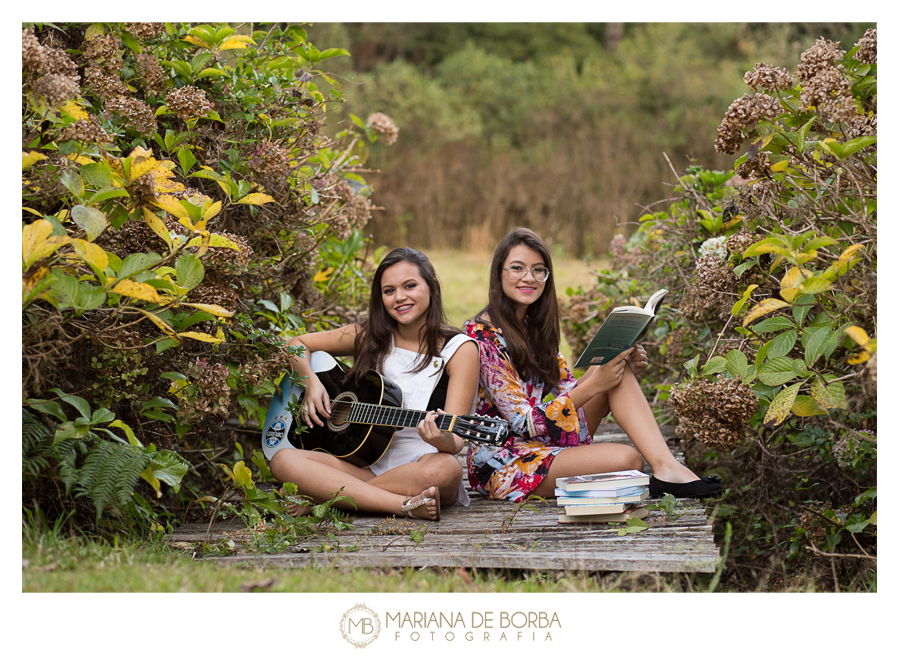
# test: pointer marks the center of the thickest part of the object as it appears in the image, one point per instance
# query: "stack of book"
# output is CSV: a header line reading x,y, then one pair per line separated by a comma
x,y
602,497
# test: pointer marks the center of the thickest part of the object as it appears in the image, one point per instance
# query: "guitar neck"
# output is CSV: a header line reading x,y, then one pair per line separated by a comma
x,y
376,414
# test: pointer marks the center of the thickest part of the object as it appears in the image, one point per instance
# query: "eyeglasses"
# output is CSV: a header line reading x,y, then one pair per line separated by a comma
x,y
517,272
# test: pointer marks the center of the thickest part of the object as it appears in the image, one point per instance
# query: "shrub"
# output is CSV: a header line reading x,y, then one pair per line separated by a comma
x,y
772,273
182,210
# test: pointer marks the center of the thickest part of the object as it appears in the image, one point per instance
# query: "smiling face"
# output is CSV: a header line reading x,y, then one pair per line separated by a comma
x,y
405,294
527,290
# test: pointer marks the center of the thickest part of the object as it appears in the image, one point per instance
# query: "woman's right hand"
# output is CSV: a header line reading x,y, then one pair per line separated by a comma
x,y
315,403
610,374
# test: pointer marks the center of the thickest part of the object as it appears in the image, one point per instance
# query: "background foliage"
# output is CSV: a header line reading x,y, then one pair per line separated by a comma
x,y
565,127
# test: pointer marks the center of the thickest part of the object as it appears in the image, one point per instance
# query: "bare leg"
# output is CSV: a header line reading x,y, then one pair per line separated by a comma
x,y
439,469
319,475
581,460
633,414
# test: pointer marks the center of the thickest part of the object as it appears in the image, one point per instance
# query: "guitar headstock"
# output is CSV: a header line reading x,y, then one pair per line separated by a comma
x,y
482,429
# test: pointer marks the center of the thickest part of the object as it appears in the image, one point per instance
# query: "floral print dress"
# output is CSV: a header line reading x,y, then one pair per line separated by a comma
x,y
539,430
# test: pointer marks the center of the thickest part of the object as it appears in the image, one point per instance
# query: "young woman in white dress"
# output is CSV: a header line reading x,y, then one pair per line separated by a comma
x,y
406,339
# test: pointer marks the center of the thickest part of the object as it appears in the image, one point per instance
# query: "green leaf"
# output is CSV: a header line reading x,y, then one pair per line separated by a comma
x,y
816,345
137,263
714,365
102,415
777,371
186,159
84,409
189,271
92,220
72,182
831,396
783,343
854,145
805,406
780,408
736,362
772,324
48,407
802,306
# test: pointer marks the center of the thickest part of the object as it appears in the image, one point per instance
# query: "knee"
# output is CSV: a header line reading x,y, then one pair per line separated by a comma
x,y
635,460
443,470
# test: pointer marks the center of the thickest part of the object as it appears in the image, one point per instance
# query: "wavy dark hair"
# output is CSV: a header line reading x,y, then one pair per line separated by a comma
x,y
534,345
374,340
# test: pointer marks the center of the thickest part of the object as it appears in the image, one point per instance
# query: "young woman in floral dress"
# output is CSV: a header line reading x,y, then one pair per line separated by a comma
x,y
518,338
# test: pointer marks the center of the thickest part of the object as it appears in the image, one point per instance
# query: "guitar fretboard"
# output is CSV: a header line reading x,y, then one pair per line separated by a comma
x,y
375,414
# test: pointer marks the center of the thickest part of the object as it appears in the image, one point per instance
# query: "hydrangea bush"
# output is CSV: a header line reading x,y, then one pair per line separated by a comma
x,y
186,205
766,356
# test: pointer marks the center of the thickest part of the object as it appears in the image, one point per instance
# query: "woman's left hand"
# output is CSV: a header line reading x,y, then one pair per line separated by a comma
x,y
428,430
638,359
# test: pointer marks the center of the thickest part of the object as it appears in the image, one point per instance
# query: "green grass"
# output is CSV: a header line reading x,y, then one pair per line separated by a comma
x,y
464,281
91,565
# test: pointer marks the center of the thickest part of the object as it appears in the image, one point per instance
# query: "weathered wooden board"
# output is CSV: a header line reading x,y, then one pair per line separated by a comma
x,y
494,535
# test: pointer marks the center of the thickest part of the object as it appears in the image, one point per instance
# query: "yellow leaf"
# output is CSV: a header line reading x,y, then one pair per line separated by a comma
x,y
216,240
874,518
32,211
30,282
212,309
858,334
159,322
235,41
764,307
322,275
143,166
212,211
789,283
156,224
170,204
44,248
196,335
28,159
92,254
780,166
138,290
256,198
33,235
862,357
74,110
197,42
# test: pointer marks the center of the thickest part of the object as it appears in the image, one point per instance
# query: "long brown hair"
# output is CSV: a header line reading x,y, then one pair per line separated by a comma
x,y
533,345
374,340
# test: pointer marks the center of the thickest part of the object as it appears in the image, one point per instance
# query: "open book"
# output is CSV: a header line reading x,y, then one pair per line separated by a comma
x,y
623,327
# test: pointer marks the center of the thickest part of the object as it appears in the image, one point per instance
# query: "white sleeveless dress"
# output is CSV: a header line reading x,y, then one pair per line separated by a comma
x,y
407,446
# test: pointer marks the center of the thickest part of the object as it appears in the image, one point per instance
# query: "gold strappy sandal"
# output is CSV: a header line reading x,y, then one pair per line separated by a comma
x,y
408,505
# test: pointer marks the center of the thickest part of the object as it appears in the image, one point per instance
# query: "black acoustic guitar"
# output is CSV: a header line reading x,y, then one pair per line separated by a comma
x,y
363,417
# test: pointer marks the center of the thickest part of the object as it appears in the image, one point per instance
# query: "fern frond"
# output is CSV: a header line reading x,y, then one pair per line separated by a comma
x,y
110,473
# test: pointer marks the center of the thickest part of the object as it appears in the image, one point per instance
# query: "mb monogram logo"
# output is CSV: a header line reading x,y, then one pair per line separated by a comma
x,y
360,626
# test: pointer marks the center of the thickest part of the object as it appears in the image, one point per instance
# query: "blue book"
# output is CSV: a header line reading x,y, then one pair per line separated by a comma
x,y
602,493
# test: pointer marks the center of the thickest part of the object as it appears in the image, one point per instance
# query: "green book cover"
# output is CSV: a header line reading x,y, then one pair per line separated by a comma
x,y
623,327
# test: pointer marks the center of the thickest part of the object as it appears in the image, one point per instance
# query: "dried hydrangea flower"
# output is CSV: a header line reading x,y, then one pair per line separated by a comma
x,y
868,47
145,31
713,412
56,89
152,73
383,125
820,56
188,102
742,114
714,247
135,112
34,55
770,78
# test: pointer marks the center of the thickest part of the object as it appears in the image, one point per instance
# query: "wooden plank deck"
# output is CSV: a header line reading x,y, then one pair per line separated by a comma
x,y
494,535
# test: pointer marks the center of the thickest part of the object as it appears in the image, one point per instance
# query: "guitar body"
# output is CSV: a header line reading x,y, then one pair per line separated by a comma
x,y
358,444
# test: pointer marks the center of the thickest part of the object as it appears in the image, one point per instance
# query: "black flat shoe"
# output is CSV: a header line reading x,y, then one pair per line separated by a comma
x,y
707,485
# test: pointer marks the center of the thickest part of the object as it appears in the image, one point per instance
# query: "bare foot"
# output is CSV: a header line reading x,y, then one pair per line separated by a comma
x,y
426,506
294,508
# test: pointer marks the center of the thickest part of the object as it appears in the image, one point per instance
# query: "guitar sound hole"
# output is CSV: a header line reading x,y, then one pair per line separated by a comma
x,y
341,407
